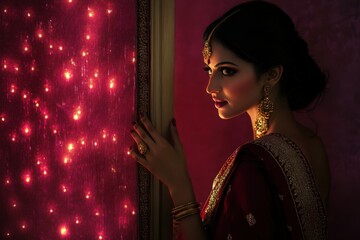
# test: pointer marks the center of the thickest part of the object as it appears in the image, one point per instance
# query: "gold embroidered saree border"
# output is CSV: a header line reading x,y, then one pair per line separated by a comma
x,y
218,184
301,183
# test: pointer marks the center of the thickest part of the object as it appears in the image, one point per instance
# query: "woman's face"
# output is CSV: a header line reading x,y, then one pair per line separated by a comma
x,y
233,83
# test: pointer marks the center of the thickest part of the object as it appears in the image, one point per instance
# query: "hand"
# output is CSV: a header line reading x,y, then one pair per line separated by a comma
x,y
164,160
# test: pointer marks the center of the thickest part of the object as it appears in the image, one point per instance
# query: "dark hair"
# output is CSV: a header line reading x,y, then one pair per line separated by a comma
x,y
261,33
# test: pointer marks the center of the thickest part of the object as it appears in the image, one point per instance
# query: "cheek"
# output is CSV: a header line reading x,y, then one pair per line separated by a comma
x,y
244,87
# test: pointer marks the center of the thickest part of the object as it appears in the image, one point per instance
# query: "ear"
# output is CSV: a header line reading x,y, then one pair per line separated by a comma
x,y
273,75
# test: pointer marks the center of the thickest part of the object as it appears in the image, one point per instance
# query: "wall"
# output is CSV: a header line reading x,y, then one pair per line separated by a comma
x,y
332,29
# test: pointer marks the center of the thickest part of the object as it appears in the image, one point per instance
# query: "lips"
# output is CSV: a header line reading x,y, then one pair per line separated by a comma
x,y
219,103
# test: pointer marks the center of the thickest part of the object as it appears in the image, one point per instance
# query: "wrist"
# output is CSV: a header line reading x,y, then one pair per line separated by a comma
x,y
182,192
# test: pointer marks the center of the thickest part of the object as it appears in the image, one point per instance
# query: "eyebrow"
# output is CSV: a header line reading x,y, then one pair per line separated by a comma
x,y
222,63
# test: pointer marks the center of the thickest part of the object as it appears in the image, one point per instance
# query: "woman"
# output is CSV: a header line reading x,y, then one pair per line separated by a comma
x,y
276,186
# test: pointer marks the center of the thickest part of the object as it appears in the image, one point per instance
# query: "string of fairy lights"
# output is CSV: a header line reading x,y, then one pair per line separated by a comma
x,y
67,82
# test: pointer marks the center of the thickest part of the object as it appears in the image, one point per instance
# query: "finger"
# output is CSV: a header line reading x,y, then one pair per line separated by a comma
x,y
175,136
139,158
151,129
142,134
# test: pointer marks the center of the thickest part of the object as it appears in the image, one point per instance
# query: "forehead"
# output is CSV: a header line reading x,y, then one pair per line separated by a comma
x,y
222,54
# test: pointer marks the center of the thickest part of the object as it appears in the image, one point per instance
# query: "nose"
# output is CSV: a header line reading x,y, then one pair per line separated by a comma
x,y
213,85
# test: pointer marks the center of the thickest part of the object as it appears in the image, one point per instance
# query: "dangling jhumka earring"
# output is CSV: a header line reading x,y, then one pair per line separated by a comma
x,y
265,108
207,51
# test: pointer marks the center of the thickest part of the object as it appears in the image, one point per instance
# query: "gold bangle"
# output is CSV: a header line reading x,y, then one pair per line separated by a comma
x,y
185,213
188,205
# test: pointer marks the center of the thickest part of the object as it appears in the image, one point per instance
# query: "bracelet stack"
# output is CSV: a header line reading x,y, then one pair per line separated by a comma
x,y
185,210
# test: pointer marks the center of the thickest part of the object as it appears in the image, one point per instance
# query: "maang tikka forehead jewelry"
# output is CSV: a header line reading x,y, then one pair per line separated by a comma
x,y
207,46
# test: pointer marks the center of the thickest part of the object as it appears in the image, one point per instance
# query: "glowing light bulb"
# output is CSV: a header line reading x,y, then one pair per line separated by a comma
x,y
26,129
12,88
104,134
69,1
112,83
133,212
46,88
51,210
114,138
51,46
87,195
7,181
27,178
13,137
64,231
77,220
64,188
125,206
77,113
70,147
67,74
82,142
133,60
39,35
60,48
91,84
5,10
109,11
3,117
66,160
91,13
88,37
14,205
23,226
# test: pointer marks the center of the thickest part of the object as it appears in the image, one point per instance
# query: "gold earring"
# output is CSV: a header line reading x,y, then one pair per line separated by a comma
x,y
265,108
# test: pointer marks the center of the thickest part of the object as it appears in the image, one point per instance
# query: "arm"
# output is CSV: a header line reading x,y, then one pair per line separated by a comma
x,y
168,163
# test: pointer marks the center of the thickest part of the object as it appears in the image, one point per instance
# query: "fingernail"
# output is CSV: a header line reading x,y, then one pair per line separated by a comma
x,y
173,121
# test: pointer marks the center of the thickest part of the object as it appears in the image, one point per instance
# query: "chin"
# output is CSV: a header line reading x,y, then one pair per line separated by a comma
x,y
228,116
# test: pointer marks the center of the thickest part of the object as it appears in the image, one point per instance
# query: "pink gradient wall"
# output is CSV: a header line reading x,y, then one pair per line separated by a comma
x,y
332,29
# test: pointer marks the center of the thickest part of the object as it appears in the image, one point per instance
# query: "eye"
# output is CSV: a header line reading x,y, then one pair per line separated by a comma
x,y
208,70
226,71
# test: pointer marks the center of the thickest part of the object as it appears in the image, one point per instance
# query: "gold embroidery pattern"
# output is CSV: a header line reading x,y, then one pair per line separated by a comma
x,y
218,184
301,182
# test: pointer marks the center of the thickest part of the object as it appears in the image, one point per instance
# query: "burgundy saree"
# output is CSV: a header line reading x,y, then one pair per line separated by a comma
x,y
265,190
